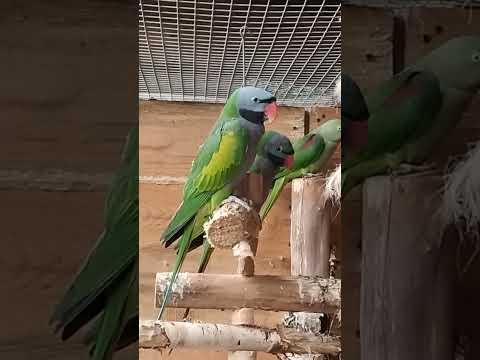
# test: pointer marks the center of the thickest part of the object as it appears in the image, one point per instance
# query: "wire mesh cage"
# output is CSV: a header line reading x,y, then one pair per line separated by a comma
x,y
192,50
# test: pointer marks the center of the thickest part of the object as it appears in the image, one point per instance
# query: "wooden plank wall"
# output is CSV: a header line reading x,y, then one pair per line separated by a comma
x,y
368,54
66,91
170,134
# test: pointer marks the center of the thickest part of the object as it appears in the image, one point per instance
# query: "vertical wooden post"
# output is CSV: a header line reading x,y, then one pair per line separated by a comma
x,y
246,267
244,316
407,272
310,228
351,248
310,234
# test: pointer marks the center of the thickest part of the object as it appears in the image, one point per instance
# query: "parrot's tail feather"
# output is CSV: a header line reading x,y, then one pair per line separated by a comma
x,y
206,254
184,244
272,197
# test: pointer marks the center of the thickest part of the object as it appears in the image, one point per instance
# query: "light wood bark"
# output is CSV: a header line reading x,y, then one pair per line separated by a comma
x,y
245,316
310,238
222,337
265,292
310,228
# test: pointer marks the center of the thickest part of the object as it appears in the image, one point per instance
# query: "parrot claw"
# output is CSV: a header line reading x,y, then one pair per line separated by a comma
x,y
405,168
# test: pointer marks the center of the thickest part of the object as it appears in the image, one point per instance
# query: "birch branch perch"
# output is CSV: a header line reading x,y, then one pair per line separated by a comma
x,y
264,292
161,335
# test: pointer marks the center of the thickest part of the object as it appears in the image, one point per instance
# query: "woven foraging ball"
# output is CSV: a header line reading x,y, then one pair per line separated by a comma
x,y
233,222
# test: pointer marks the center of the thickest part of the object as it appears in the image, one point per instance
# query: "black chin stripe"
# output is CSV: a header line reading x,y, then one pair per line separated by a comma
x,y
269,100
252,116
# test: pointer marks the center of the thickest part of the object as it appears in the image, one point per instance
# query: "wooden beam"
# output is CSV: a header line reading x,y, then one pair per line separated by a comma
x,y
162,180
408,272
54,180
264,292
221,337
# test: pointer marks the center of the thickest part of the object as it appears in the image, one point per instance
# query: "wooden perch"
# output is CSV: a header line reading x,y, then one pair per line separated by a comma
x,y
408,273
265,292
221,337
310,239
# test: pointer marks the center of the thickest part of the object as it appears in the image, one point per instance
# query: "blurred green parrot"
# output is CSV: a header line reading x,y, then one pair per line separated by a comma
x,y
415,110
221,163
274,151
312,153
106,286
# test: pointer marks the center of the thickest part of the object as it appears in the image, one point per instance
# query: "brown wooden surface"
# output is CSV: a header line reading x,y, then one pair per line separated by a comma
x,y
66,91
407,296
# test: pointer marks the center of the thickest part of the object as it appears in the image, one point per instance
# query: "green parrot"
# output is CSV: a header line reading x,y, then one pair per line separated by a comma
x,y
220,164
274,151
311,154
413,111
106,286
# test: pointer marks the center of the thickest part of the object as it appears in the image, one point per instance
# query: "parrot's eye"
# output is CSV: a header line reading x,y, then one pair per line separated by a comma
x,y
476,56
279,148
255,99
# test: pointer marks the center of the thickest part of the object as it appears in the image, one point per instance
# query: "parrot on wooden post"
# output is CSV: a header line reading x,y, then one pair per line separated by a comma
x,y
220,164
107,284
415,110
311,153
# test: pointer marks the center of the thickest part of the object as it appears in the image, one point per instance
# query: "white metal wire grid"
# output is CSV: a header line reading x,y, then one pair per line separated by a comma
x,y
191,50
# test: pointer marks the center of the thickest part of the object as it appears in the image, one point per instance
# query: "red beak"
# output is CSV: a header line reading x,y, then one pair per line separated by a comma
x,y
288,163
271,111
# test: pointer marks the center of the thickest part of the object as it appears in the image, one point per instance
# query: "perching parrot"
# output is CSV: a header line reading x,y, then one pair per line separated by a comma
x,y
274,151
414,111
107,284
354,117
311,154
222,161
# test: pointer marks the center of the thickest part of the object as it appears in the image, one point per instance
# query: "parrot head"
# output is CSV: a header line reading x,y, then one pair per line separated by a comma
x,y
254,104
331,130
277,148
456,63
354,106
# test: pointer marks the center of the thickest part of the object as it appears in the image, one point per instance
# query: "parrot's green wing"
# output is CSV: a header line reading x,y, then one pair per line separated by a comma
x,y
118,311
217,164
414,97
106,270
409,111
